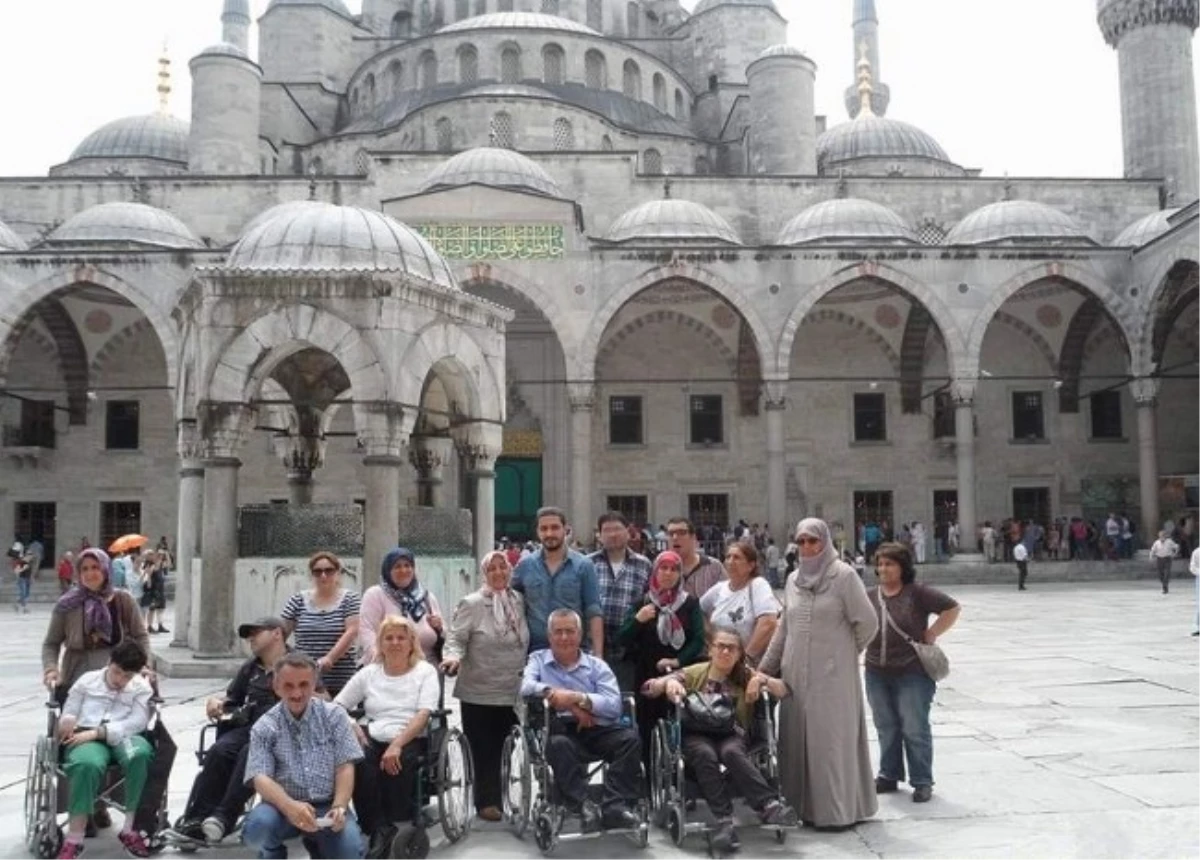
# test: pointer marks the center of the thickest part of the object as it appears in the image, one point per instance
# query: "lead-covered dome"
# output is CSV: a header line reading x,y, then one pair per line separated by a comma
x,y
224,49
1145,229
676,220
332,5
151,136
1017,221
277,211
518,20
494,167
124,224
705,5
9,240
324,237
846,219
876,137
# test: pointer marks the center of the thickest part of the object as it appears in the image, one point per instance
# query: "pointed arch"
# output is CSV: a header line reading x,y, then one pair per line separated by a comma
x,y
859,325
697,327
1070,359
1032,334
476,381
117,343
547,301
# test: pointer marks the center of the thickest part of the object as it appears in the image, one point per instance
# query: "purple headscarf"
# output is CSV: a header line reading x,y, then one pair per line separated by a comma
x,y
97,622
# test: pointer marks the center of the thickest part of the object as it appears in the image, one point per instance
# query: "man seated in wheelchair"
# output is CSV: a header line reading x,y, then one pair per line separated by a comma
x,y
582,691
220,793
717,717
301,763
102,722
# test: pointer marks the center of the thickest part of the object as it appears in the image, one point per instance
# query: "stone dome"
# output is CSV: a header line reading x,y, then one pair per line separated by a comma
x,y
846,219
518,20
677,220
876,137
325,237
1017,221
494,167
332,5
9,240
705,5
1145,229
150,136
277,211
224,49
124,224
781,51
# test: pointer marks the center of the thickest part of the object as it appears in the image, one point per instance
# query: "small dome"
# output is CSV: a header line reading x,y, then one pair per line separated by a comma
x,y
494,167
224,49
876,137
9,240
781,51
332,5
324,237
705,5
1145,229
518,20
150,136
277,211
676,220
844,219
1017,221
124,224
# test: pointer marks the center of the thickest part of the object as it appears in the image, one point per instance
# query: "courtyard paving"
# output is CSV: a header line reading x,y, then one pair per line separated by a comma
x,y
1068,728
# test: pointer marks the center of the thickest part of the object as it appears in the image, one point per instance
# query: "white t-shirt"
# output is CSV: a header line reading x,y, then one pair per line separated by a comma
x,y
1020,553
391,701
739,609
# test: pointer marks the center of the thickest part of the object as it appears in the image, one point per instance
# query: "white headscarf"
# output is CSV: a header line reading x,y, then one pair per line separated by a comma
x,y
504,610
811,571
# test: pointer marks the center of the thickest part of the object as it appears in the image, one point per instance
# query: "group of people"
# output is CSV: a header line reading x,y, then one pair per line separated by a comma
x,y
572,630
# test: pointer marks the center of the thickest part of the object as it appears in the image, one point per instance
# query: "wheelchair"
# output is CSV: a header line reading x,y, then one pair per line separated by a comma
x,y
47,790
673,788
527,780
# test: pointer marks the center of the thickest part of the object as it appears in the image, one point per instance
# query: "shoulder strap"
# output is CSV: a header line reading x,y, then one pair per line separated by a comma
x,y
888,618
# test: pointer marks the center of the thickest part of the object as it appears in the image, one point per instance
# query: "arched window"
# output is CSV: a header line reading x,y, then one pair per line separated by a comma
x,y
402,24
425,17
369,87
595,70
553,60
316,167
564,134
595,14
702,168
395,72
462,9
444,132
652,161
549,7
660,92
355,99
632,84
633,14
468,64
680,110
429,70
606,144
510,64
502,130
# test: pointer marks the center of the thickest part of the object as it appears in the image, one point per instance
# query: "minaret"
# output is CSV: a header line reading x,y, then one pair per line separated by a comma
x,y
164,83
235,24
866,33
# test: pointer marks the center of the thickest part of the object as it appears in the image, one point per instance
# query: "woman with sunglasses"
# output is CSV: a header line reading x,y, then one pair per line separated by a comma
x,y
324,620
826,623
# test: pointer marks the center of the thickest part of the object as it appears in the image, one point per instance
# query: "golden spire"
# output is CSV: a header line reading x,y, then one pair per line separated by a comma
x,y
164,82
865,89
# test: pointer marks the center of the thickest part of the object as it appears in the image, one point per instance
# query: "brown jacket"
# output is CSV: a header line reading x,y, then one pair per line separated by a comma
x,y
78,656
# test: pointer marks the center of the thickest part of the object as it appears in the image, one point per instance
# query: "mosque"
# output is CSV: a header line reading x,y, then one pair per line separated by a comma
x,y
492,254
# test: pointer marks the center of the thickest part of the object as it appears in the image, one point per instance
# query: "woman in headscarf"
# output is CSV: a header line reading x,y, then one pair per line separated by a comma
x,y
486,646
399,593
87,622
826,623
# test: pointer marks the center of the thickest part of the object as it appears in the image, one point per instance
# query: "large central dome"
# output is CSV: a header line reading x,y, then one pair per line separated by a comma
x,y
518,20
876,137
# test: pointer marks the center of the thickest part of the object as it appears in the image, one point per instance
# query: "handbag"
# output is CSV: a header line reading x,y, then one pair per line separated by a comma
x,y
708,714
933,659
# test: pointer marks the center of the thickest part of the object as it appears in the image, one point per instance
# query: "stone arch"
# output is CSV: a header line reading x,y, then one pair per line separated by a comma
x,y
920,293
698,328
492,274
913,344
585,361
1172,293
859,325
117,342
1070,360
474,378
1043,346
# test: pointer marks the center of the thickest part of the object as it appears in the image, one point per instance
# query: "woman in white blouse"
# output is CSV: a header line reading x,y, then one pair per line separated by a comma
x,y
398,692
744,601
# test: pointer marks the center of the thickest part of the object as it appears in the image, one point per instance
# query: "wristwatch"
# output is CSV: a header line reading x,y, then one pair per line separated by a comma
x,y
585,702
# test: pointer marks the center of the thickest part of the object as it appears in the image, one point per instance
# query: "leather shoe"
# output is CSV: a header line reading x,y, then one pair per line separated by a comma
x,y
922,793
620,818
490,813
101,817
885,786
591,819
724,838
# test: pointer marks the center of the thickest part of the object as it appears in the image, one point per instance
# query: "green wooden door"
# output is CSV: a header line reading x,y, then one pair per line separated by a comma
x,y
518,496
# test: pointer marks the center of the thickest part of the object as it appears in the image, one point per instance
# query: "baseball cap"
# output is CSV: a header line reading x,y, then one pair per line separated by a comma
x,y
267,622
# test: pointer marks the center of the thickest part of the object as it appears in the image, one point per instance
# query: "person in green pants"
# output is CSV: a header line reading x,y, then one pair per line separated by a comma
x,y
102,721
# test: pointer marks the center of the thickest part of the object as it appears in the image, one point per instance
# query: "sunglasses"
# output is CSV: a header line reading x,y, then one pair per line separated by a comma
x,y
808,540
726,647
324,571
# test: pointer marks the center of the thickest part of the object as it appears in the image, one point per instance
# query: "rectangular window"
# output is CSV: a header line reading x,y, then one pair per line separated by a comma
x,y
874,506
706,420
870,418
625,421
945,506
943,416
633,508
1106,415
1031,504
38,521
121,428
1027,418
709,514
37,424
119,518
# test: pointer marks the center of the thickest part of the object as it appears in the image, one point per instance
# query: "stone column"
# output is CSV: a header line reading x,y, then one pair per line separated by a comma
x,y
479,460
187,532
963,394
775,403
582,397
1145,395
384,429
429,455
214,599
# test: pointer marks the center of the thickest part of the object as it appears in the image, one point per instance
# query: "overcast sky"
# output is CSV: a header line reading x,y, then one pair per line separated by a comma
x,y
1026,87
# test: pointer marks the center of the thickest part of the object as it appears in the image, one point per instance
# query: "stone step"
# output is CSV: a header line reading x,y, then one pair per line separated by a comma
x,y
44,589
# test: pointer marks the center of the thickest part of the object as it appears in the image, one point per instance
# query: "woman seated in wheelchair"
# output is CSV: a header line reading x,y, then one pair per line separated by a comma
x,y
398,692
102,721
717,720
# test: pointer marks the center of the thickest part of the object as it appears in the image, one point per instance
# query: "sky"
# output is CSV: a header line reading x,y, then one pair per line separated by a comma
x,y
1023,87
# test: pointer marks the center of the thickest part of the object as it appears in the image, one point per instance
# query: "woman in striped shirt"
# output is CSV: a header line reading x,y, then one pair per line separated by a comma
x,y
324,619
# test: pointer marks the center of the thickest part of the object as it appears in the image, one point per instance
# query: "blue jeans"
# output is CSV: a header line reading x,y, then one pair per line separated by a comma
x,y
23,585
900,708
266,829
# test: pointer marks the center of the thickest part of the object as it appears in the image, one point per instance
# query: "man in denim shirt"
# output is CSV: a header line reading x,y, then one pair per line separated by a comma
x,y
555,577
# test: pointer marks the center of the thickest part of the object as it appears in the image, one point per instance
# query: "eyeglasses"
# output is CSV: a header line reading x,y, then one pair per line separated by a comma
x,y
678,532
324,571
726,647
808,540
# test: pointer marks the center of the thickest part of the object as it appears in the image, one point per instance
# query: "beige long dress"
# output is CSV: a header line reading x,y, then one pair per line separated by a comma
x,y
824,759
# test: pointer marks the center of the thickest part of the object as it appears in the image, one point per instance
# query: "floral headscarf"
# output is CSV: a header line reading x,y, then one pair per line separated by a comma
x,y
97,622
668,601
413,599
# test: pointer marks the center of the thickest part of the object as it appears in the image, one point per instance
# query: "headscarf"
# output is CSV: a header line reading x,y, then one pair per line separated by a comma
x,y
504,609
811,572
97,622
668,601
412,600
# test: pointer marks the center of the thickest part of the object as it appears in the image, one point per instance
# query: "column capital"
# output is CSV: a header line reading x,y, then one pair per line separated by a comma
x,y
384,428
774,394
301,455
222,428
962,391
478,459
425,458
1145,391
581,396
187,441
1118,17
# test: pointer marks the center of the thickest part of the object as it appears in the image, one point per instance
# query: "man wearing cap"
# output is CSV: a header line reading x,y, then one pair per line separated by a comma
x,y
219,793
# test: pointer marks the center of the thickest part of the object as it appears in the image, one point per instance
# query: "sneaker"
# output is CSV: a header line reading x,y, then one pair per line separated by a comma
x,y
190,828
724,838
213,829
135,843
162,629
922,793
885,786
778,814
70,850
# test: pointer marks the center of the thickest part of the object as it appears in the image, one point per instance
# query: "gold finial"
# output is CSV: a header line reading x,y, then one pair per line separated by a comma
x,y
865,89
164,82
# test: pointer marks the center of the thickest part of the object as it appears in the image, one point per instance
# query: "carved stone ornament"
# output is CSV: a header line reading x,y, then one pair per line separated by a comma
x,y
223,428
582,396
1145,391
774,395
962,391
1118,17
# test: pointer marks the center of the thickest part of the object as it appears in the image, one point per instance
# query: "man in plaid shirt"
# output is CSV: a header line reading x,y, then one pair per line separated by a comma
x,y
623,576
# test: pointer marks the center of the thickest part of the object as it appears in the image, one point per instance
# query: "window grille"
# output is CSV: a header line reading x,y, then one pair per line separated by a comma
x,y
502,130
549,7
660,92
429,70
552,64
652,161
564,134
680,110
468,65
931,233
445,134
632,84
595,71
510,65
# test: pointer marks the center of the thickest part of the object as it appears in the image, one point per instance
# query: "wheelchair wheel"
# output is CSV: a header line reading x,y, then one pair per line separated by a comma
x,y
544,832
660,779
410,842
43,837
516,782
642,837
455,785
675,825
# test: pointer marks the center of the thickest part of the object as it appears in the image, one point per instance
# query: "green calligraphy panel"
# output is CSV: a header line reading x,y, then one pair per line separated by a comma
x,y
495,241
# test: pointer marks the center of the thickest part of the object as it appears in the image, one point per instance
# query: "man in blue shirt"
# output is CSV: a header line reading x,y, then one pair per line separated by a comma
x,y
583,692
555,577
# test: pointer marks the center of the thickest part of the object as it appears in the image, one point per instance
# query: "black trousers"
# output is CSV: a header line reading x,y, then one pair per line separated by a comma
x,y
705,755
568,749
379,797
1022,573
486,727
220,789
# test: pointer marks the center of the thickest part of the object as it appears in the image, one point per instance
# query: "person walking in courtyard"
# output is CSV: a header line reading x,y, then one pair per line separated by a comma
x,y
898,687
988,536
1021,556
1163,552
324,620
66,572
1194,567
154,591
555,577
23,570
